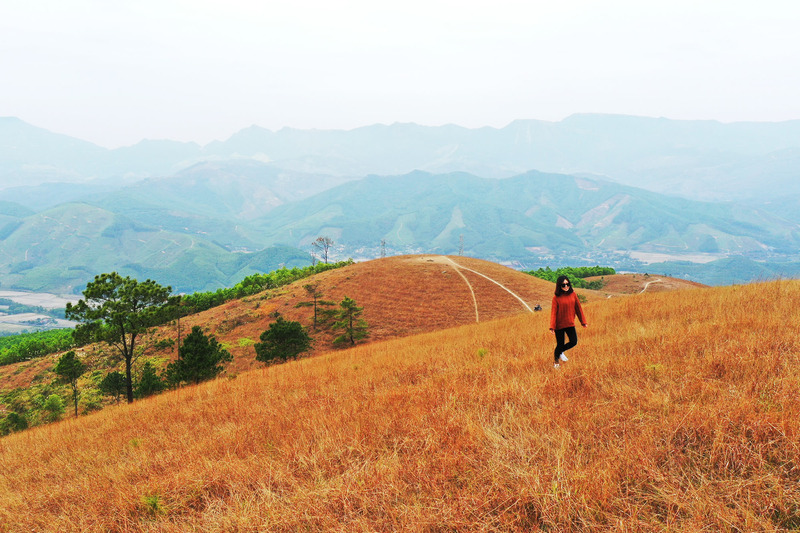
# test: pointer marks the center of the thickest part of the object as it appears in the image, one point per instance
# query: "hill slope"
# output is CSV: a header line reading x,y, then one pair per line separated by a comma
x,y
401,296
684,419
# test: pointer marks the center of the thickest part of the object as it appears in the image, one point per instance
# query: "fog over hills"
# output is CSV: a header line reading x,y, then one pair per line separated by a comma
x,y
705,160
630,192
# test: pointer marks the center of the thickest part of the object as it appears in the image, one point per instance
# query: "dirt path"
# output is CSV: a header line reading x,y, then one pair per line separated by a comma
x,y
649,282
458,268
469,285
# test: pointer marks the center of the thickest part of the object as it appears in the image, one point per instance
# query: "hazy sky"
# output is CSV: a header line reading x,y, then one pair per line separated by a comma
x,y
115,72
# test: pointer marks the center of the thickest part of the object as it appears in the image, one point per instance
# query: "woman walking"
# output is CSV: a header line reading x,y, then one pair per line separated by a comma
x,y
565,308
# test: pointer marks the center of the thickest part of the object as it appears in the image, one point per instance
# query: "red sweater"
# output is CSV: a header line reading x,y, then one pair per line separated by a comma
x,y
564,310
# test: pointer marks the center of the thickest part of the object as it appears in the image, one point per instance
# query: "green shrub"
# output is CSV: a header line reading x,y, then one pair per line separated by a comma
x,y
53,408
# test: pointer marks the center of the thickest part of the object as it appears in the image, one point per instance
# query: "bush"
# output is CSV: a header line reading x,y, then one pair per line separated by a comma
x,y
13,422
53,408
575,274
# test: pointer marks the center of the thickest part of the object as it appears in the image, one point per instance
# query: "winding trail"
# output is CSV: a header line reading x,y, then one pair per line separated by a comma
x,y
458,269
648,283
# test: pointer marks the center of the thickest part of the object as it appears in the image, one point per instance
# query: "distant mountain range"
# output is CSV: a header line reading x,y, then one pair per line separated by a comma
x,y
199,218
508,219
704,160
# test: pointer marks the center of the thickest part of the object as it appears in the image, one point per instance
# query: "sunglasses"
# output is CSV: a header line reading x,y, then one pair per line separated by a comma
x,y
565,284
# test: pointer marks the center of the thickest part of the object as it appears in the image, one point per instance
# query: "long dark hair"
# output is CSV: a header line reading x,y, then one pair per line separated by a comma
x,y
559,281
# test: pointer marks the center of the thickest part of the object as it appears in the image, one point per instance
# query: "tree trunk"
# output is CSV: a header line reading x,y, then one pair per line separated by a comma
x,y
128,378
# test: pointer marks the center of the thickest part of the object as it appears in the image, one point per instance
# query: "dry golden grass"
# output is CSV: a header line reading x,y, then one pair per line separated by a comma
x,y
677,412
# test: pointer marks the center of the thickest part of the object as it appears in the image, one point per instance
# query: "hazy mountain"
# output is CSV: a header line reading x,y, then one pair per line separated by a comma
x,y
697,159
14,210
518,218
61,249
214,199
46,195
238,189
11,217
728,270
30,155
782,205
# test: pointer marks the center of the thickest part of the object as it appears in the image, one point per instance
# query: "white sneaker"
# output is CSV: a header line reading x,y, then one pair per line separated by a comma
x,y
563,357
556,366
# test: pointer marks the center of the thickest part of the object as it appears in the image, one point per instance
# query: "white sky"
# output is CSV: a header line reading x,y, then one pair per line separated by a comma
x,y
116,71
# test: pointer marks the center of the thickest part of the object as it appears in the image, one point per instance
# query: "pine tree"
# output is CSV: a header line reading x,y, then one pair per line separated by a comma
x,y
321,314
113,385
149,381
119,310
350,322
285,339
69,368
200,358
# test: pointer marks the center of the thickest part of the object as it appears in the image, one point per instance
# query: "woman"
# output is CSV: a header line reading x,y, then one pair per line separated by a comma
x,y
565,308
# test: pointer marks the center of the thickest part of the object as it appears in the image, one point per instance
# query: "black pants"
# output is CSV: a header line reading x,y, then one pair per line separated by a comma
x,y
562,347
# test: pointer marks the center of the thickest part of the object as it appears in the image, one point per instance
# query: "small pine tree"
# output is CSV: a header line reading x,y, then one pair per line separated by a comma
x,y
149,381
348,319
113,385
285,339
320,313
69,368
200,358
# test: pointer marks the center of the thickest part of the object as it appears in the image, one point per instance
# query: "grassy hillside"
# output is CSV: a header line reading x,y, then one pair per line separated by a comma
x,y
677,411
401,296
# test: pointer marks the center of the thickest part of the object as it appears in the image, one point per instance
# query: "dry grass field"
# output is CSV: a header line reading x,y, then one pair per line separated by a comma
x,y
678,411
